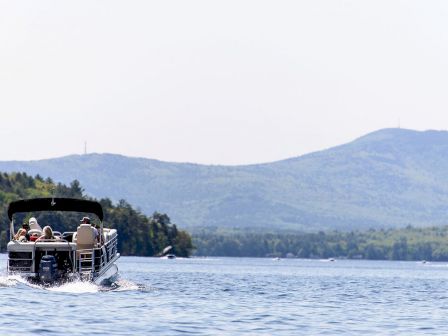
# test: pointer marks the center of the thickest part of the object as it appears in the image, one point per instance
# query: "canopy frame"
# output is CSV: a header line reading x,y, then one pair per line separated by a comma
x,y
55,204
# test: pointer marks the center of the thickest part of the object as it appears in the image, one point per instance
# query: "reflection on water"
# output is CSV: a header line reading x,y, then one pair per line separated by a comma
x,y
231,296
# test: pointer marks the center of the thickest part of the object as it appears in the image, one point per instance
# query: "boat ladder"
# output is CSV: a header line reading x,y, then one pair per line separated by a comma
x,y
85,262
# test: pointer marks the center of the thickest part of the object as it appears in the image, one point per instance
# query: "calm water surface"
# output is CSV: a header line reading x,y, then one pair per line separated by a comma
x,y
236,296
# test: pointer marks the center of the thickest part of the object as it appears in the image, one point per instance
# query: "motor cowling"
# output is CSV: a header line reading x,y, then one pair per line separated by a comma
x,y
48,269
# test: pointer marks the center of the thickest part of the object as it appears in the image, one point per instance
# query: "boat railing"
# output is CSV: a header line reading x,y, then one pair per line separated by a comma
x,y
93,260
20,262
23,261
111,247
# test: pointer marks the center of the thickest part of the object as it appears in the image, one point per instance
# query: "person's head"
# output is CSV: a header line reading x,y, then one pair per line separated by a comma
x,y
85,220
47,232
26,226
32,221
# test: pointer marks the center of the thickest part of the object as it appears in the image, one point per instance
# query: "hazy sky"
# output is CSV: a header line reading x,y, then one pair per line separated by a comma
x,y
223,82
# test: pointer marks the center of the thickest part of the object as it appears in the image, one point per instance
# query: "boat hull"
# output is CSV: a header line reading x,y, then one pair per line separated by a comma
x,y
107,277
25,260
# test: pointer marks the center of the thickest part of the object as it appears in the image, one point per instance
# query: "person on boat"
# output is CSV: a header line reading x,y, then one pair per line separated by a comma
x,y
22,233
34,225
47,233
86,220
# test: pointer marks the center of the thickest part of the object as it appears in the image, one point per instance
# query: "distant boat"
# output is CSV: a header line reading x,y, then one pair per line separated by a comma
x,y
165,255
168,256
166,249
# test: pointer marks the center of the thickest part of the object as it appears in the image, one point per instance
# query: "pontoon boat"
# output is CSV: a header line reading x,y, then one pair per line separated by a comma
x,y
74,255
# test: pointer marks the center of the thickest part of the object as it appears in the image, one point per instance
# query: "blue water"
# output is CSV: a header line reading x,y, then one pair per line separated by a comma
x,y
236,296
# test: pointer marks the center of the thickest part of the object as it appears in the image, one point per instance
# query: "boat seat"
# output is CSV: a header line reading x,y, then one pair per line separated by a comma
x,y
85,237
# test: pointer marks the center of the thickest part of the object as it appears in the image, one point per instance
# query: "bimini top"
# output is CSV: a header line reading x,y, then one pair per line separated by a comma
x,y
55,204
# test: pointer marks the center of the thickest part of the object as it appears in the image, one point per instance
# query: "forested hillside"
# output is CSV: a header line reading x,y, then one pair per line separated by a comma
x,y
149,235
392,244
138,234
389,178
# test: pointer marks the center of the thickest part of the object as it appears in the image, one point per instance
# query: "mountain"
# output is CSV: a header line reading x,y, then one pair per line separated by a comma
x,y
388,178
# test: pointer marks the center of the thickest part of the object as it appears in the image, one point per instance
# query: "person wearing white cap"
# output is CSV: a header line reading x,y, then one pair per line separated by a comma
x,y
33,224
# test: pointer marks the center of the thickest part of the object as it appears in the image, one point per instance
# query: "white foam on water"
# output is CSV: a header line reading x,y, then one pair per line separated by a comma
x,y
15,279
77,287
9,281
126,285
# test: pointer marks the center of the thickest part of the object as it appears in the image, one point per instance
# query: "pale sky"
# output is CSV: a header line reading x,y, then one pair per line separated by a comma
x,y
221,82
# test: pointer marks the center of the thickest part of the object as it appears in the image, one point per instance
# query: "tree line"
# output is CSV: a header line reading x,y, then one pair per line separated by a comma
x,y
148,235
408,243
138,234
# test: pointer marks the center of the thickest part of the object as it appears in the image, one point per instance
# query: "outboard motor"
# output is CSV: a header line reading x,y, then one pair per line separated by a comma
x,y
48,269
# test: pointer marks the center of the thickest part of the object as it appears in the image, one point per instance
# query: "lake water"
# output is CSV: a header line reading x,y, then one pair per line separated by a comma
x,y
236,296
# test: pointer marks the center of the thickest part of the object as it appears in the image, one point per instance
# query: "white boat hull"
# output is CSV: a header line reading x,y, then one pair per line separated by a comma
x,y
108,276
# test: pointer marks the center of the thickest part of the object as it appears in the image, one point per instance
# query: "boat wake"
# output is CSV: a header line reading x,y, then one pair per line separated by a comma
x,y
9,281
123,285
79,287
17,280
76,287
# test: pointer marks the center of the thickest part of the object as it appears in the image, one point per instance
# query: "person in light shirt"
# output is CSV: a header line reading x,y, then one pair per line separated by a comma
x,y
86,220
